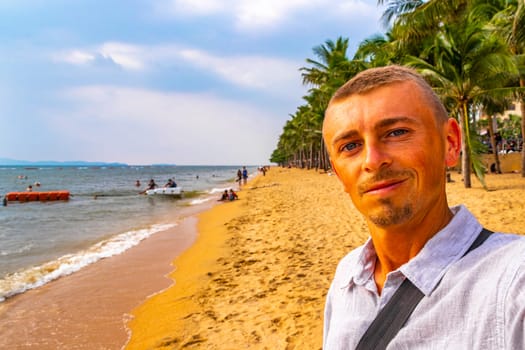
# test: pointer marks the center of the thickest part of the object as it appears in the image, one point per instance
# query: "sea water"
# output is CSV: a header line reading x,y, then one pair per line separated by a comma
x,y
105,215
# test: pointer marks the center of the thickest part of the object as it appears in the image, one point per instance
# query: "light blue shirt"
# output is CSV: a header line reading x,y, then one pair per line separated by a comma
x,y
474,302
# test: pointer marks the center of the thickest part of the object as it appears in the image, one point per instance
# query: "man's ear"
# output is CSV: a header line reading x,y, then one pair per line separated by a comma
x,y
453,142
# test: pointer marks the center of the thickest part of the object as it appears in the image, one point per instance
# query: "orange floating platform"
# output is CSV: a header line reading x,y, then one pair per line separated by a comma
x,y
37,196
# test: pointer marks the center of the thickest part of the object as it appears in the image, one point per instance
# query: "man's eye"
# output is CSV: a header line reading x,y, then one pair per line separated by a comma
x,y
398,132
350,146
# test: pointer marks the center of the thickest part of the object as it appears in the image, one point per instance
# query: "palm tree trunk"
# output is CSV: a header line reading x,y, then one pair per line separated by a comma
x,y
311,165
322,156
493,143
465,149
522,84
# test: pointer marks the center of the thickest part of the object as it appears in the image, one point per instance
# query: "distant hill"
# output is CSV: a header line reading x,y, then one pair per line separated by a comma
x,y
15,162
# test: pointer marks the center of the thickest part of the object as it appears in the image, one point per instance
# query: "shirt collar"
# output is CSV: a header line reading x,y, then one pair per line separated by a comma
x,y
446,247
427,268
365,265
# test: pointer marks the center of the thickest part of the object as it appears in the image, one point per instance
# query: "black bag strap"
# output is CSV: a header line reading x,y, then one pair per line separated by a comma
x,y
396,312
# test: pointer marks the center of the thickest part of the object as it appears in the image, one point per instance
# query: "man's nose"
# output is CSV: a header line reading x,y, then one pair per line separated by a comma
x,y
376,156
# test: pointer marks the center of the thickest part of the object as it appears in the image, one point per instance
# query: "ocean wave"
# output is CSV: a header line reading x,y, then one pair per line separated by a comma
x,y
218,190
22,281
22,249
200,201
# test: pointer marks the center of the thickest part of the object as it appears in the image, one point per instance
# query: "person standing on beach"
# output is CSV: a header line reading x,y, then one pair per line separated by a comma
x,y
244,175
390,141
239,176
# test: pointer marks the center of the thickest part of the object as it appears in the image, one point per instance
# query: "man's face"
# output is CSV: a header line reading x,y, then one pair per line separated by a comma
x,y
389,152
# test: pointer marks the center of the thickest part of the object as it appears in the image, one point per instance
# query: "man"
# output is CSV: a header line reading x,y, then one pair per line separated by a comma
x,y
390,141
244,175
170,184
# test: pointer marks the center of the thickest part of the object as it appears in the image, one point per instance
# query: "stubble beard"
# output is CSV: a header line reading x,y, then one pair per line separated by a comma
x,y
389,214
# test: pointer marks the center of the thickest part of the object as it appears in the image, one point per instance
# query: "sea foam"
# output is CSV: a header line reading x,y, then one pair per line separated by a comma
x,y
200,201
37,276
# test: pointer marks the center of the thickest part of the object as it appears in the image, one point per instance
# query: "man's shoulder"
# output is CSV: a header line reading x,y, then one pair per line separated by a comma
x,y
511,244
506,242
497,248
500,255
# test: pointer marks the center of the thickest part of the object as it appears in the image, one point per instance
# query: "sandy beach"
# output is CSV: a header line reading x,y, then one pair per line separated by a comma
x,y
260,268
253,273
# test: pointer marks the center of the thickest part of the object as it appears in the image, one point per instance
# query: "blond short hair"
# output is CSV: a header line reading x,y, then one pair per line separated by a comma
x,y
376,77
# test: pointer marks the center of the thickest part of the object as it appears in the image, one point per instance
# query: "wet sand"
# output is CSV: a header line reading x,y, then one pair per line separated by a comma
x,y
88,309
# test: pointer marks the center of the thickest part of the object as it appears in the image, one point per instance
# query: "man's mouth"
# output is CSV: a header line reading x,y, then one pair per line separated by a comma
x,y
381,186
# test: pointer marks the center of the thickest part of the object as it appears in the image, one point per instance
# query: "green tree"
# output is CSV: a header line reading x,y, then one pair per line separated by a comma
x,y
468,64
451,44
301,140
509,23
378,51
491,108
331,67
416,21
448,42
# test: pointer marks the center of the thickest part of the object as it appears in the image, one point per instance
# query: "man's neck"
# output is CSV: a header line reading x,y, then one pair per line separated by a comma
x,y
396,245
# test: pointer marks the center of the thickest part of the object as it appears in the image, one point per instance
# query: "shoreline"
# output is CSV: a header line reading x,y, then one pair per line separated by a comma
x,y
104,216
89,308
151,321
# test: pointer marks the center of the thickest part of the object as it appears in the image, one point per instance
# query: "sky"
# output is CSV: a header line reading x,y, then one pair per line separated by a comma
x,y
187,82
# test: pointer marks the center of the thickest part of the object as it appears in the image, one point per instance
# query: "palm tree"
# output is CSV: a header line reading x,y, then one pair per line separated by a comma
x,y
325,74
300,141
447,41
396,8
378,51
332,64
491,107
464,64
510,24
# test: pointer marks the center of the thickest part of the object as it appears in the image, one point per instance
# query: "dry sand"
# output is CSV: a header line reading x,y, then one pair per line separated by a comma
x,y
258,274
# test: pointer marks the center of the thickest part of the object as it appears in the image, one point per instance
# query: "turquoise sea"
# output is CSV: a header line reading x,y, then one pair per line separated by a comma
x,y
105,215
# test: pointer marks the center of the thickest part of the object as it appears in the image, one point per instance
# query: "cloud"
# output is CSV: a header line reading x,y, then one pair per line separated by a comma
x,y
143,126
190,7
275,76
357,9
247,14
75,57
257,14
126,56
269,14
256,72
